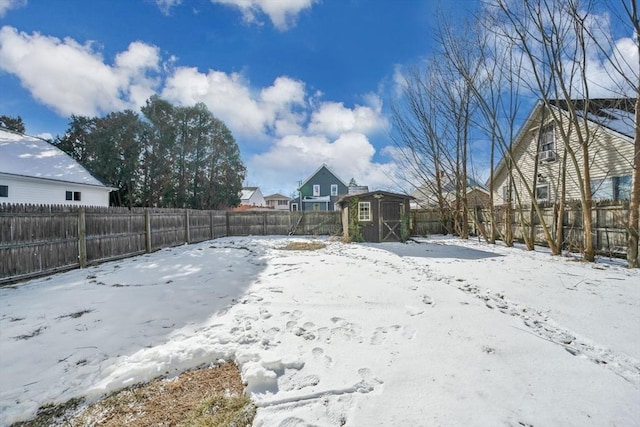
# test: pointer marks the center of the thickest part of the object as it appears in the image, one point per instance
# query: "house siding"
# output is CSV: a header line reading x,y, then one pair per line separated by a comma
x,y
324,178
610,155
41,191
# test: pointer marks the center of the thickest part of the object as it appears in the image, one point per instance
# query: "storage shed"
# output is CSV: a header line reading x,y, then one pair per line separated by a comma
x,y
376,216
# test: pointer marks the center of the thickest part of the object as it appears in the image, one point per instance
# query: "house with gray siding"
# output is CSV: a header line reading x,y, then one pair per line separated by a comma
x,y
320,191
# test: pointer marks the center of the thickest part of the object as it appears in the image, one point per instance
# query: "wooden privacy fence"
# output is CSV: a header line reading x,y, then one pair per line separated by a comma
x,y
38,240
608,225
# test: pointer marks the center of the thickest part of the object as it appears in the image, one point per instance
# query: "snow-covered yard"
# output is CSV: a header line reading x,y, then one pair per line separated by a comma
x,y
444,332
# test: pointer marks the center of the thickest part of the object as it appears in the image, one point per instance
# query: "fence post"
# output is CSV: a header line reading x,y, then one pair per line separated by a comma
x,y
226,217
82,238
264,223
187,236
211,224
147,229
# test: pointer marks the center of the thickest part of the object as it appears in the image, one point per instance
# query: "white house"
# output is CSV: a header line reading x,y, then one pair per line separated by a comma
x,y
611,128
252,196
278,202
34,171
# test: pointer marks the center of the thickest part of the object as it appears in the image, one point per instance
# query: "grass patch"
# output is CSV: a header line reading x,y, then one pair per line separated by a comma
x,y
211,397
223,411
32,334
303,246
76,314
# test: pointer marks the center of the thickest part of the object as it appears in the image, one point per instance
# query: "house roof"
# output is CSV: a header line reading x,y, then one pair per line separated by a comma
x,y
247,192
616,114
448,186
613,114
33,157
318,170
348,197
277,196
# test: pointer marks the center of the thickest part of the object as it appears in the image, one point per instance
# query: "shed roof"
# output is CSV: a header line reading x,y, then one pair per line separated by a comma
x,y
348,197
33,157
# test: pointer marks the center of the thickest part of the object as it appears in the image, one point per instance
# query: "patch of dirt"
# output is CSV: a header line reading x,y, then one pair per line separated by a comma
x,y
303,246
202,397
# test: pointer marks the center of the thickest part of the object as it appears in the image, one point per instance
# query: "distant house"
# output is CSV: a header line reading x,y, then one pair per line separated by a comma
x,y
252,196
320,191
278,202
611,124
34,171
381,216
426,195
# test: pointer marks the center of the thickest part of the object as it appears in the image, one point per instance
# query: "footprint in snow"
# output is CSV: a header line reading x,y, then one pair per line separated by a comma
x,y
380,334
318,353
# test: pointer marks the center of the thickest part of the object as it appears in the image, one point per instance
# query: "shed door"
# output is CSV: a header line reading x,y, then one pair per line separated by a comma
x,y
390,219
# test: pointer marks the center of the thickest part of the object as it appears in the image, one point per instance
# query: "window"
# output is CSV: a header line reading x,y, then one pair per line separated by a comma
x,y
602,189
615,188
364,211
622,187
4,191
72,195
505,193
316,190
316,206
547,142
283,202
334,189
294,207
542,193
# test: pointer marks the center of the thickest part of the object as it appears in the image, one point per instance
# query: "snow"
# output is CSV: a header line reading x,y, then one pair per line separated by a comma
x,y
34,157
441,332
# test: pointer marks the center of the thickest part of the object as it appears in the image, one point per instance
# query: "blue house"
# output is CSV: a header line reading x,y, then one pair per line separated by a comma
x,y
320,191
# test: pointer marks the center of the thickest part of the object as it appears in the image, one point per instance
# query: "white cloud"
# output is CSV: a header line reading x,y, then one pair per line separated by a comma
x,y
73,78
6,5
282,13
166,5
333,118
229,97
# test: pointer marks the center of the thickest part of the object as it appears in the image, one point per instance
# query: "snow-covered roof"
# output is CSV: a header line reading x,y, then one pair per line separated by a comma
x,y
247,192
33,157
617,120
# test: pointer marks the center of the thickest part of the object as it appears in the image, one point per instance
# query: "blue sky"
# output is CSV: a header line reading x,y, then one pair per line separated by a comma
x,y
299,82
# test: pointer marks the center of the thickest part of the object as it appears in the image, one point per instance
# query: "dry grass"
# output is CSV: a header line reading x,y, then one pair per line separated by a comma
x,y
203,397
303,246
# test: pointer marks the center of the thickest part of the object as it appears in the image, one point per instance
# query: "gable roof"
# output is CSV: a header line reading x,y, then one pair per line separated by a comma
x,y
318,170
32,157
612,114
347,197
247,192
277,196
